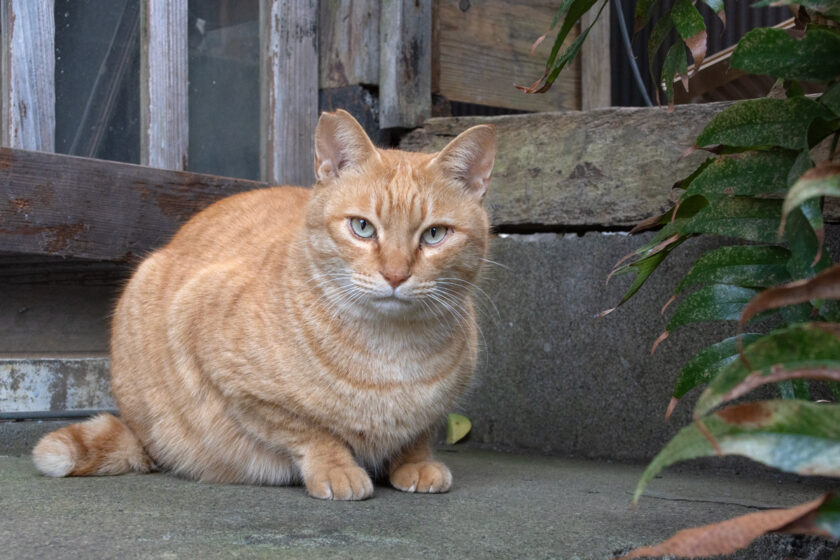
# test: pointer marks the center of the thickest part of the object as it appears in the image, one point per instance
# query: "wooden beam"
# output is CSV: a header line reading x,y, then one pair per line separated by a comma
x,y
348,43
288,90
27,84
164,107
485,49
405,63
93,209
595,68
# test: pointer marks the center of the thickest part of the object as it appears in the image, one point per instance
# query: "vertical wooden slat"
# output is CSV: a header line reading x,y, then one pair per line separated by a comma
x,y
289,90
348,41
28,74
595,72
405,63
164,107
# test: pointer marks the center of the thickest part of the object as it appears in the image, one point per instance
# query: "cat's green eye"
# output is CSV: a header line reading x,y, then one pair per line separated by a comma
x,y
434,235
362,228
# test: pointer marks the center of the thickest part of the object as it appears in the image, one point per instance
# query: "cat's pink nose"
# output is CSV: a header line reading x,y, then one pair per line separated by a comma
x,y
394,278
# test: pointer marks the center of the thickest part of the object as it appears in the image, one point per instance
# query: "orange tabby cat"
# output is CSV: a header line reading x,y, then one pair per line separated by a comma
x,y
293,334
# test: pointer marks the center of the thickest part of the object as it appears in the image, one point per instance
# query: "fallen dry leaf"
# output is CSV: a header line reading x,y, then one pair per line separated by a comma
x,y
729,536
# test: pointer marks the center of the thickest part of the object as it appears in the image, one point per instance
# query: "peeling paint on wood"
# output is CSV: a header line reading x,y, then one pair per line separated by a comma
x,y
38,384
27,85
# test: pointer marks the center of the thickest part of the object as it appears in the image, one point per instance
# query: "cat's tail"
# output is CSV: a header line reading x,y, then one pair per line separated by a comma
x,y
103,445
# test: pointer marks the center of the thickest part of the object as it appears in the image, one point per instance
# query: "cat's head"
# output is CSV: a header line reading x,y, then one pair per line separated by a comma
x,y
393,232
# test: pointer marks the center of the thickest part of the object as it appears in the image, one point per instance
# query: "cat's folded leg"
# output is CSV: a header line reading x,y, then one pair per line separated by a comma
x,y
415,470
331,473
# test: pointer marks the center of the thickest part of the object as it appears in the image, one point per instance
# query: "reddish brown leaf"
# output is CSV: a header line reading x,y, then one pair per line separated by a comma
x,y
538,41
605,312
658,341
729,536
648,223
697,45
825,285
756,379
667,303
652,251
671,406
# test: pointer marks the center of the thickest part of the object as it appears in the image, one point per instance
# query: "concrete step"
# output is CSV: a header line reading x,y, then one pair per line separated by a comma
x,y
41,385
501,506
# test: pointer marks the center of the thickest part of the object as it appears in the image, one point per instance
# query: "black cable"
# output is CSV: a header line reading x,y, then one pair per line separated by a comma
x,y
622,26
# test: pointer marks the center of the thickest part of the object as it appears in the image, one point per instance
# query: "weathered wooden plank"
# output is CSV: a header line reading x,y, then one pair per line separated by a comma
x,y
288,90
348,37
485,48
64,205
595,68
164,131
607,167
27,84
29,384
405,63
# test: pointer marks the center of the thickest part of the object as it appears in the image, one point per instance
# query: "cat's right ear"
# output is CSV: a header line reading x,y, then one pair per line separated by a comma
x,y
340,144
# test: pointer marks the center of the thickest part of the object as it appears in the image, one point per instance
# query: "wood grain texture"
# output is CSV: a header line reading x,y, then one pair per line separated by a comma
x,y
405,63
595,68
27,84
62,205
485,49
288,90
348,37
164,106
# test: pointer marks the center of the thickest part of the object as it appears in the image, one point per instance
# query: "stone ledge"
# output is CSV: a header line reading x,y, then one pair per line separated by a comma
x,y
603,168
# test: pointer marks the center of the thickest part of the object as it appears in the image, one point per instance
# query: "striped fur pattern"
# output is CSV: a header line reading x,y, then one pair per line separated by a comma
x,y
270,343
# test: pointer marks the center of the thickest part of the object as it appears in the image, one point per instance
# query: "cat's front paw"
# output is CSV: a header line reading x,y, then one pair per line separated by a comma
x,y
426,476
340,483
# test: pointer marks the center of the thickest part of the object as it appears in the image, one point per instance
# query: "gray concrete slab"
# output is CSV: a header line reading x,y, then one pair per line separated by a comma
x,y
555,379
502,506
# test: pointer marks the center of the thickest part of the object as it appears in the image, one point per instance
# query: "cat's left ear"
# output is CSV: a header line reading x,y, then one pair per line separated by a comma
x,y
469,158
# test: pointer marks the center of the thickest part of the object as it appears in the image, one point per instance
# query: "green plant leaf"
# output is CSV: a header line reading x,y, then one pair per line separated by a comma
x,y
828,517
718,302
674,64
823,180
777,53
750,266
660,31
794,389
764,122
744,174
753,219
642,13
555,65
692,29
804,346
805,244
643,269
706,364
831,98
794,436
